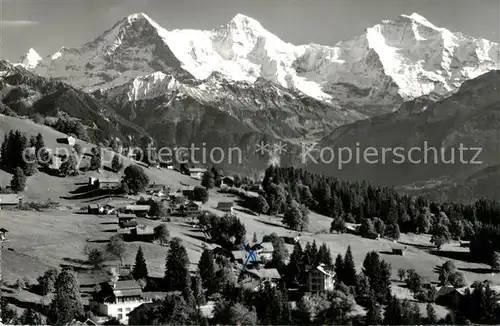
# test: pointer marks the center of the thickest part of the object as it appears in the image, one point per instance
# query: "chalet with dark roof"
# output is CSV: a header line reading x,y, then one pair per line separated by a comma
x,y
120,298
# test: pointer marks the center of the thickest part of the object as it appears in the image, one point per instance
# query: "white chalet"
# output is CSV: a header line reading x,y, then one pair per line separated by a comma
x,y
121,298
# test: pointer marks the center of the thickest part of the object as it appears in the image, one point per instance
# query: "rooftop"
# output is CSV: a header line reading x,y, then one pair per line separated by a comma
x,y
144,229
195,170
267,246
9,199
138,207
225,204
263,273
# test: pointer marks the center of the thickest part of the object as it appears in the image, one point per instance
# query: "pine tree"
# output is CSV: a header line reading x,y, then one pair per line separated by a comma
x,y
31,317
254,238
39,142
393,314
176,267
67,303
431,315
140,270
208,180
206,269
373,315
495,262
197,287
116,163
261,206
349,268
69,166
18,181
30,162
95,161
339,268
295,267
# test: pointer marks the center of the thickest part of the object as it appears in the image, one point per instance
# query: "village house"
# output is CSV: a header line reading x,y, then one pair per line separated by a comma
x,y
225,207
2,234
449,296
143,233
196,173
265,251
241,256
55,163
188,192
190,208
263,275
95,209
157,190
11,201
70,140
320,279
372,235
118,299
126,220
138,210
398,251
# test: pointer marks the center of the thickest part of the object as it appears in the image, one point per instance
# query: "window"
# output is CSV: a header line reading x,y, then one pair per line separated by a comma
x,y
120,316
128,309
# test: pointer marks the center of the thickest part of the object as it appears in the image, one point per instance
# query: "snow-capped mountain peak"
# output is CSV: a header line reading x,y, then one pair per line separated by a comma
x,y
393,61
31,59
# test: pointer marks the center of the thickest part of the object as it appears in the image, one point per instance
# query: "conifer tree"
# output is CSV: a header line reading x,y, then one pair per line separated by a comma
x,y
177,267
18,181
206,269
197,287
67,303
140,270
339,268
431,315
349,268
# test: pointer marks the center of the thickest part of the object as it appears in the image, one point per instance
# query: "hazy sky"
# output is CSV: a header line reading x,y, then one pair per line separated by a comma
x,y
46,25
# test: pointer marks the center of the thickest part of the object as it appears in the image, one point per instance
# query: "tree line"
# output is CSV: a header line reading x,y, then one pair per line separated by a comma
x,y
383,210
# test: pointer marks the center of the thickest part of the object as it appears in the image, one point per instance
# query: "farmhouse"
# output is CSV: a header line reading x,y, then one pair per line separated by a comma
x,y
142,233
319,279
241,256
138,210
94,209
56,163
264,274
157,190
188,192
225,206
372,235
196,173
107,184
191,208
265,252
126,220
10,200
398,251
70,140
2,234
120,298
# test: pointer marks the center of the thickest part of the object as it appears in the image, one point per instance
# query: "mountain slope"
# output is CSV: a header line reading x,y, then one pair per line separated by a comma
x,y
470,118
392,62
263,106
26,94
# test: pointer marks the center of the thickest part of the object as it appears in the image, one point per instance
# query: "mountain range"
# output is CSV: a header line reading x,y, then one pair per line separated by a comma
x,y
401,81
